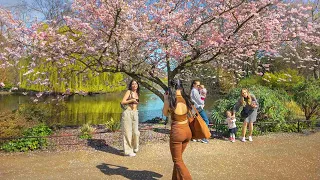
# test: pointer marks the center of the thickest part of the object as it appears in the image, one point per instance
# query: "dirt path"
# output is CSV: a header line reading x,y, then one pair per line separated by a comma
x,y
277,156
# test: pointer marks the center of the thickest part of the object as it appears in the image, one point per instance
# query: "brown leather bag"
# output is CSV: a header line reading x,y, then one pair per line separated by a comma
x,y
197,125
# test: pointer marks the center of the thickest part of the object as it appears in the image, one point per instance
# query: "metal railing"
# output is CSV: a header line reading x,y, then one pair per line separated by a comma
x,y
261,125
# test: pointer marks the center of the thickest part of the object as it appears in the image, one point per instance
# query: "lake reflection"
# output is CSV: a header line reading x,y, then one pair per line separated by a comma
x,y
95,109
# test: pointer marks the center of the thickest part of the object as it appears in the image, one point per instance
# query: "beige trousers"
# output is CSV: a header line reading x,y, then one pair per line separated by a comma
x,y
130,131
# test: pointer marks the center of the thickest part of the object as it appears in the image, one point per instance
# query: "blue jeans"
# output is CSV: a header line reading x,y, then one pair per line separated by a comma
x,y
204,116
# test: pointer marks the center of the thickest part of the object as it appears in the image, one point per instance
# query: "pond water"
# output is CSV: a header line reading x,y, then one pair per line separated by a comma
x,y
94,109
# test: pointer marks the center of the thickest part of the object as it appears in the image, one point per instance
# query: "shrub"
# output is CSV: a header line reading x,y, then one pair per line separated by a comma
x,y
307,94
294,110
12,124
282,80
113,125
250,81
86,131
32,140
271,105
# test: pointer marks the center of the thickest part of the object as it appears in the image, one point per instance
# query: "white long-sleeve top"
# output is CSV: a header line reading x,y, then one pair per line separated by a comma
x,y
196,98
231,123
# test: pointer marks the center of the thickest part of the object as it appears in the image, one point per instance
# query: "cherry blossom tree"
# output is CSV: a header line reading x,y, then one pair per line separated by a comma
x,y
304,56
152,40
50,9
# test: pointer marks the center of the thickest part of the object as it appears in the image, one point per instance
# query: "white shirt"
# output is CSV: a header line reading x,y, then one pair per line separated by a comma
x,y
232,123
196,98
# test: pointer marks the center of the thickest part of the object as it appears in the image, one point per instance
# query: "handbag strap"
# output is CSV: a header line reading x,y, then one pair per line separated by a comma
x,y
193,111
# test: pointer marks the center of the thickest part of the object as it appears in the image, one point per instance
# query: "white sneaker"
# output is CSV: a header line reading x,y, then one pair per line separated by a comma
x,y
194,140
135,150
131,154
250,138
243,139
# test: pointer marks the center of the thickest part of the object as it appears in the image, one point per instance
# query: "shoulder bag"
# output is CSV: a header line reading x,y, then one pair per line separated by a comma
x,y
197,125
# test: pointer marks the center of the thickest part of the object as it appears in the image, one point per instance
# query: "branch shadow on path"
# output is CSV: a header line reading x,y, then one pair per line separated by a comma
x,y
161,130
109,169
101,145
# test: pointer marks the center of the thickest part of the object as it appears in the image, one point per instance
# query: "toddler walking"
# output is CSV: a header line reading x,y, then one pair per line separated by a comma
x,y
232,126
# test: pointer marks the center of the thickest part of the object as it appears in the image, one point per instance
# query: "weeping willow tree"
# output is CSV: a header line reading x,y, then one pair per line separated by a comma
x,y
59,80
42,74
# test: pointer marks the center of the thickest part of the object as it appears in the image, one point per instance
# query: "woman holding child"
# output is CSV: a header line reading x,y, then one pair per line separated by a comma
x,y
197,96
249,112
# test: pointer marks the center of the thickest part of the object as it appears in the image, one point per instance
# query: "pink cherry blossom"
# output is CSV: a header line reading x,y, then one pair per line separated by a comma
x,y
142,37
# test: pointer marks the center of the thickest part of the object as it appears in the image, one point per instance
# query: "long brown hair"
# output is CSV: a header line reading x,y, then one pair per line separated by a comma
x,y
175,84
242,101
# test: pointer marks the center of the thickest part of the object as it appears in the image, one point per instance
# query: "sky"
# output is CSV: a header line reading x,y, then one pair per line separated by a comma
x,y
10,4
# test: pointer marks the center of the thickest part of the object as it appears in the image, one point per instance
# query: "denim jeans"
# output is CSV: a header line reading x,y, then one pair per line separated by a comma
x,y
204,116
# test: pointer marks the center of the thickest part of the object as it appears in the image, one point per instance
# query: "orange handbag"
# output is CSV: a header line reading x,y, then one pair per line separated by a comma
x,y
197,125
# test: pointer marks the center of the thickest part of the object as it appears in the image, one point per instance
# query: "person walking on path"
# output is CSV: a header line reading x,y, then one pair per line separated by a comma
x,y
249,112
198,103
177,105
130,120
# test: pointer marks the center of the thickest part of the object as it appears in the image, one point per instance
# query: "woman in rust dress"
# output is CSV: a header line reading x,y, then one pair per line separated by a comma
x,y
177,105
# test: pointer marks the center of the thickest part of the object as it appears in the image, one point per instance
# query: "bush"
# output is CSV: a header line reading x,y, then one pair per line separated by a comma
x,y
113,125
32,140
250,81
272,105
282,80
12,124
86,131
307,94
294,111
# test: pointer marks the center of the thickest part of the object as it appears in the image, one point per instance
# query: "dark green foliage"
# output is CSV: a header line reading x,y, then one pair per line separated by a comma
x,y
32,140
272,106
307,95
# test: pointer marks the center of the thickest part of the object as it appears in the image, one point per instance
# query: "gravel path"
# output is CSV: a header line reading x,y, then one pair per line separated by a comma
x,y
274,156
